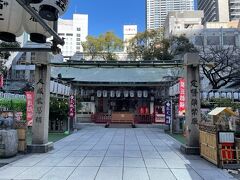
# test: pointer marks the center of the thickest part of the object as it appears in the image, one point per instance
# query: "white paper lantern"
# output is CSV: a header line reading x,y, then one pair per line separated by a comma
x,y
51,9
217,95
229,95
126,93
112,93
224,95
132,94
139,94
99,93
204,95
104,93
37,33
54,87
118,93
145,94
11,18
235,95
51,86
211,95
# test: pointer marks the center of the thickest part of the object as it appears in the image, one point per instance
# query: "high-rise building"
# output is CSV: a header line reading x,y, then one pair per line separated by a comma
x,y
220,10
157,10
74,33
234,9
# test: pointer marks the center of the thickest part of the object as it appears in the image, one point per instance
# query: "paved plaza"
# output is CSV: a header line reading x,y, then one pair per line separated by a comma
x,y
96,153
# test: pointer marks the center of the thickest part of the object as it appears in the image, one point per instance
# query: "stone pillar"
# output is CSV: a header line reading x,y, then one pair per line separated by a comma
x,y
40,142
193,106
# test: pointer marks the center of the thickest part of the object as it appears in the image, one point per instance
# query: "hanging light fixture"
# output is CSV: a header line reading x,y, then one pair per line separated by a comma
x,y
37,33
51,9
11,17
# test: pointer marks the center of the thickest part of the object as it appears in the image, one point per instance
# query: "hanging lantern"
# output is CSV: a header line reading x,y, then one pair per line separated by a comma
x,y
99,93
125,93
11,17
217,95
51,86
37,33
139,94
104,93
51,9
145,94
112,93
118,93
132,94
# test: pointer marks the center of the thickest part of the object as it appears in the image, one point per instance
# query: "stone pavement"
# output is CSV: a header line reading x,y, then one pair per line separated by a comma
x,y
97,153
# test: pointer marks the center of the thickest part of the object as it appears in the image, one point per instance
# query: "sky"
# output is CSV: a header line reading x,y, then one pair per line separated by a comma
x,y
109,15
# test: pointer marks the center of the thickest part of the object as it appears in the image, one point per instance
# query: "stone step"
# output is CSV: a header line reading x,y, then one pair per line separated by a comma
x,y
119,125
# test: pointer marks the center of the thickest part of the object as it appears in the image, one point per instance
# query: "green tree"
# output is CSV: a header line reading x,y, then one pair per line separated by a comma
x,y
110,44
149,45
92,47
103,46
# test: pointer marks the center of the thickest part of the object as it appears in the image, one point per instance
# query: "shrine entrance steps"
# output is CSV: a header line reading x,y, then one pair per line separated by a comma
x,y
119,125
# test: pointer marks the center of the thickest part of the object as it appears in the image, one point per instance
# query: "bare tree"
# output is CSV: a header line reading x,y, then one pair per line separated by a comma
x,y
220,64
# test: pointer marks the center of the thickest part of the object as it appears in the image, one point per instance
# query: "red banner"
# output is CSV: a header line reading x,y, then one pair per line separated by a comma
x,y
182,101
30,107
1,81
72,107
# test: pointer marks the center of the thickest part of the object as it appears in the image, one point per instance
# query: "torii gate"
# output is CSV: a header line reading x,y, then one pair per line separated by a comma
x,y
42,83
192,86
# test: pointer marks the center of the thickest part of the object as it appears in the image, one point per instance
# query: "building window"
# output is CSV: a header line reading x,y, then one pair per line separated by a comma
x,y
78,43
69,34
78,35
199,40
78,39
61,34
78,29
213,40
229,40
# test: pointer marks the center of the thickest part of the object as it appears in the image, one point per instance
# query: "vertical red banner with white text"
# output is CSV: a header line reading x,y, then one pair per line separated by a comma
x,y
30,107
1,81
182,100
72,107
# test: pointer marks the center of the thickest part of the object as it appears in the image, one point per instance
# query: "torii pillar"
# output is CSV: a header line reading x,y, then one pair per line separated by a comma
x,y
40,126
193,104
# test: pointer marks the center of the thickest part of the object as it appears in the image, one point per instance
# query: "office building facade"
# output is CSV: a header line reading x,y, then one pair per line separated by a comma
x,y
74,33
220,10
157,10
129,32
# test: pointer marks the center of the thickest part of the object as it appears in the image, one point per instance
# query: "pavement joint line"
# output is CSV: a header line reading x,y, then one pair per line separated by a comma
x,y
104,155
162,157
149,139
142,155
80,161
124,153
